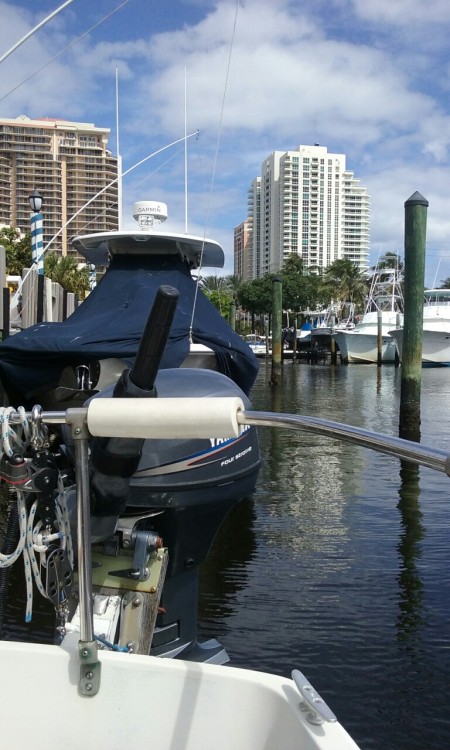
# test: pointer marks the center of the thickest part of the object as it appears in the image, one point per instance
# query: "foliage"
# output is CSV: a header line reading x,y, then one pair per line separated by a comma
x,y
64,270
256,296
17,250
445,283
216,288
344,282
301,288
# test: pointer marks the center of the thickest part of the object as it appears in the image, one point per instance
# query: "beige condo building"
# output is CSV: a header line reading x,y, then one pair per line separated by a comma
x,y
68,163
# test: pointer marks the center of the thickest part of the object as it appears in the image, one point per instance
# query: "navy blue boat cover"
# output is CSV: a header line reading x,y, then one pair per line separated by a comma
x,y
110,323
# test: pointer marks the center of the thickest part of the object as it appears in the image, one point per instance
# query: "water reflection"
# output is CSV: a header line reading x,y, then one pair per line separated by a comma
x,y
410,551
348,575
226,571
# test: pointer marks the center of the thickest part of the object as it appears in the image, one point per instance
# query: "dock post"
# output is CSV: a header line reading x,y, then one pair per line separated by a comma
x,y
333,352
40,298
415,243
3,286
277,313
294,343
379,338
233,315
397,325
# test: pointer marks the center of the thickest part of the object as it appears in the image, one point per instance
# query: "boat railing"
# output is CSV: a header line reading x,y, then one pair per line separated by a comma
x,y
165,418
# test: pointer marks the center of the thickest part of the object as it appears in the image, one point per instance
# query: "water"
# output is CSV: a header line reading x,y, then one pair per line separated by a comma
x,y
340,563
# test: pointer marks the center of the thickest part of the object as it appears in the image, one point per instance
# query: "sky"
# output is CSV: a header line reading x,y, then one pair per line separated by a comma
x,y
243,78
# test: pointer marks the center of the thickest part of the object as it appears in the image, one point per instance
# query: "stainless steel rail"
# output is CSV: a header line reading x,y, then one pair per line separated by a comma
x,y
432,458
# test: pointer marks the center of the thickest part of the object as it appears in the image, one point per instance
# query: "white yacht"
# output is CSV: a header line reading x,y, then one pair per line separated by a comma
x,y
436,329
360,345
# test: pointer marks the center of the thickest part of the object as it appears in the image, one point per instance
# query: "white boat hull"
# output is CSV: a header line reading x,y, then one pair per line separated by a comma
x,y
435,346
358,347
147,702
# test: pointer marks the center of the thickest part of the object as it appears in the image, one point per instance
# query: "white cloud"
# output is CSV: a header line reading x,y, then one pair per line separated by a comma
x,y
404,13
367,79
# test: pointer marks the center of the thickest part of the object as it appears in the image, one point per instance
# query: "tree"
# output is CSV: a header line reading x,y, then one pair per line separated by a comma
x,y
216,288
17,250
301,289
64,270
234,285
256,295
344,282
445,284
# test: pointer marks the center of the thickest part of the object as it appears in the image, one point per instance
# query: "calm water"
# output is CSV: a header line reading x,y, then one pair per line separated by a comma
x,y
340,563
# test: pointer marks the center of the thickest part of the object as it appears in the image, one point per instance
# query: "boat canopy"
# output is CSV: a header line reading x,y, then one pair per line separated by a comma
x,y
437,296
98,248
110,322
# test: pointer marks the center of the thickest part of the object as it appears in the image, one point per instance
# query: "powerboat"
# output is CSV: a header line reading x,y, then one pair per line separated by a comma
x,y
436,329
385,301
146,330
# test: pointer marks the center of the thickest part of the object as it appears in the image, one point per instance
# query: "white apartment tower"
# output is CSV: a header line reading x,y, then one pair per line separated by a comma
x,y
68,163
307,202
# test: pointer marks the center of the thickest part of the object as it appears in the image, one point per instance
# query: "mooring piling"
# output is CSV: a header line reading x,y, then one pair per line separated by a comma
x,y
277,317
411,378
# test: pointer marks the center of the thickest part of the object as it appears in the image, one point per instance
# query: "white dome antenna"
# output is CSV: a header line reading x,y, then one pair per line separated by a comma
x,y
149,213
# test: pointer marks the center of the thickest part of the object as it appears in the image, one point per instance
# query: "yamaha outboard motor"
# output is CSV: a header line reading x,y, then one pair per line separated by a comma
x,y
177,491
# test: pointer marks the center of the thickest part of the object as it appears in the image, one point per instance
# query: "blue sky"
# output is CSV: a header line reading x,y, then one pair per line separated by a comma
x,y
368,78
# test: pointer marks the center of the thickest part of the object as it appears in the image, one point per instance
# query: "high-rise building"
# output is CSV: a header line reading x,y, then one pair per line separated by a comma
x,y
307,202
69,164
243,251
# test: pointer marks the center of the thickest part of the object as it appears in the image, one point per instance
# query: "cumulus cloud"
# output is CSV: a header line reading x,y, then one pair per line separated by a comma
x,y
366,78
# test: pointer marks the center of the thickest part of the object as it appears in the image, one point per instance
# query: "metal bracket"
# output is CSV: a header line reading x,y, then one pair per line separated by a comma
x,y
90,668
144,542
59,578
319,711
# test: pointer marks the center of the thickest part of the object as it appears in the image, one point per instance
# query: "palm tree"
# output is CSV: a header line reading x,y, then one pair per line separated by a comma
x,y
64,270
212,283
234,285
345,282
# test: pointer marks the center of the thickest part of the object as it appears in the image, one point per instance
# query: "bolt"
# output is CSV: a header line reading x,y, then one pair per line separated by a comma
x,y
136,602
77,431
88,687
153,589
85,652
89,675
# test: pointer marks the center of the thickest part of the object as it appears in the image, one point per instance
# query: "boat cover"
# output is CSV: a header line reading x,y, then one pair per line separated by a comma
x,y
110,323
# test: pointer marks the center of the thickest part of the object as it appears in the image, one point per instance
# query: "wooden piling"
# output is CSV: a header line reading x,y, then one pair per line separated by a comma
x,y
415,243
379,338
233,315
277,320
333,351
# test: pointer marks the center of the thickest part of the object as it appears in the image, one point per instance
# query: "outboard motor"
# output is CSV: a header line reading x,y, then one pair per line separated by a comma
x,y
114,460
171,492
